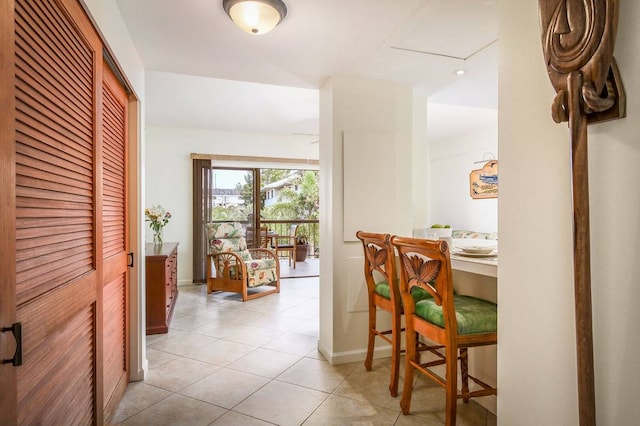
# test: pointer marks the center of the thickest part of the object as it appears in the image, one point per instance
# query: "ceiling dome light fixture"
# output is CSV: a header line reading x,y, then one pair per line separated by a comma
x,y
255,16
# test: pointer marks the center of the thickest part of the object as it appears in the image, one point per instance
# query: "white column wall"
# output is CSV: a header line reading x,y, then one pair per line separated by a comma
x,y
352,105
537,378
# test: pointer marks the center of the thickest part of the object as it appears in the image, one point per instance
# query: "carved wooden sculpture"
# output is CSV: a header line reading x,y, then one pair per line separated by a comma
x,y
578,38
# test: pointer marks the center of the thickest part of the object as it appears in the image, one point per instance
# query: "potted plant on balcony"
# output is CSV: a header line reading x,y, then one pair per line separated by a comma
x,y
302,247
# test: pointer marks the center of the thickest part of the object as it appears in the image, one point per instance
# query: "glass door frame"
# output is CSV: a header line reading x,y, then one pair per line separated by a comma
x,y
253,239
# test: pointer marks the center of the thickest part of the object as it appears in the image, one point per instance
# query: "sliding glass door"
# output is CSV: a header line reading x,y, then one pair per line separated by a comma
x,y
235,196
271,199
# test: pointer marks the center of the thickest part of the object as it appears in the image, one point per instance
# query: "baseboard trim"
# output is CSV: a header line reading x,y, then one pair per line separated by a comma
x,y
358,355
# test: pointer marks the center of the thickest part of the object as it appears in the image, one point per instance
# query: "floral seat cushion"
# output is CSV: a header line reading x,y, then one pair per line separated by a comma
x,y
261,271
236,245
228,238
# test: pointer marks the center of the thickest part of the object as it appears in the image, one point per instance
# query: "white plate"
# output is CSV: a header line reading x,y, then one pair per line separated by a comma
x,y
459,252
477,250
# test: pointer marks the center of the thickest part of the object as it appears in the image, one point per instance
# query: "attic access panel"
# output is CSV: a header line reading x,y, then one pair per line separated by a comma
x,y
457,29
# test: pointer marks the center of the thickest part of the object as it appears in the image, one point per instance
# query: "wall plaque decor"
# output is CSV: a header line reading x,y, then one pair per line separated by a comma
x,y
578,38
483,183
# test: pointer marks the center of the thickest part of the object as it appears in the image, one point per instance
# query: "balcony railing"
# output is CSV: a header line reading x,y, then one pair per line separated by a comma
x,y
307,227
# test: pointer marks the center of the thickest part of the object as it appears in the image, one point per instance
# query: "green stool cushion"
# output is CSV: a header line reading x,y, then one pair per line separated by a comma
x,y
474,315
382,288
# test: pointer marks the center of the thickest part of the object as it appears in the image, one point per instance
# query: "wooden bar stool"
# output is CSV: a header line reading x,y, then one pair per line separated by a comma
x,y
384,293
453,322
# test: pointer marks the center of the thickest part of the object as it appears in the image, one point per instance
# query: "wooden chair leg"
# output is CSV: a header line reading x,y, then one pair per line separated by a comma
x,y
395,356
451,391
368,362
412,353
464,372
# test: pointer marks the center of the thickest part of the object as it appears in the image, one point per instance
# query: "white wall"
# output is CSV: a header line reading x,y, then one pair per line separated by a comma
x,y
348,106
452,158
169,173
537,378
106,15
420,157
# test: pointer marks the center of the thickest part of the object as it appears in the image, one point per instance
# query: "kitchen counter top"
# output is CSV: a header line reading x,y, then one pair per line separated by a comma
x,y
477,265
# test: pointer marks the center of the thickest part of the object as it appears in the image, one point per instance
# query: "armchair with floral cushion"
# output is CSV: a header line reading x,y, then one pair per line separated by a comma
x,y
231,266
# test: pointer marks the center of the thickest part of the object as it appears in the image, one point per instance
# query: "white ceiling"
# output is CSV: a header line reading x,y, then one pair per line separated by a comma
x,y
206,73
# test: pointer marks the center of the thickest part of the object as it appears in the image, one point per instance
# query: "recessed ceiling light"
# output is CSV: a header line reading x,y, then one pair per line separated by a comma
x,y
460,71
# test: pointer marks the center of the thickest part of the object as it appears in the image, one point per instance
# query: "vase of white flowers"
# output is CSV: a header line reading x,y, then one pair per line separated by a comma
x,y
157,217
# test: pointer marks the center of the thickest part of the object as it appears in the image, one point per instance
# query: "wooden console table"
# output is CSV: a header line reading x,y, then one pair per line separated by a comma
x,y
161,285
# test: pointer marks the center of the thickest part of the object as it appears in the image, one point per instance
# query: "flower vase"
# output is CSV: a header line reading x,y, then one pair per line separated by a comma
x,y
157,238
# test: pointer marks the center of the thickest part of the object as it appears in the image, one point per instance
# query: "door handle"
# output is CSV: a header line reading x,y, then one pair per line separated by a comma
x,y
130,260
16,329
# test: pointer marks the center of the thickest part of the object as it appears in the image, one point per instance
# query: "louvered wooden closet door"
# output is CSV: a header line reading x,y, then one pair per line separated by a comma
x,y
114,242
58,212
8,414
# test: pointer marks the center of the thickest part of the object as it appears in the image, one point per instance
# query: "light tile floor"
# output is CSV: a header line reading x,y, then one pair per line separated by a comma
x,y
225,362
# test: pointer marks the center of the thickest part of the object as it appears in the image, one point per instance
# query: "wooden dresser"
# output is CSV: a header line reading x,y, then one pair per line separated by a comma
x,y
162,285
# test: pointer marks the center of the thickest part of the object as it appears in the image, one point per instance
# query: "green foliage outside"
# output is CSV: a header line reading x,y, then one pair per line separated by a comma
x,y
268,176
246,193
299,200
301,204
229,213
